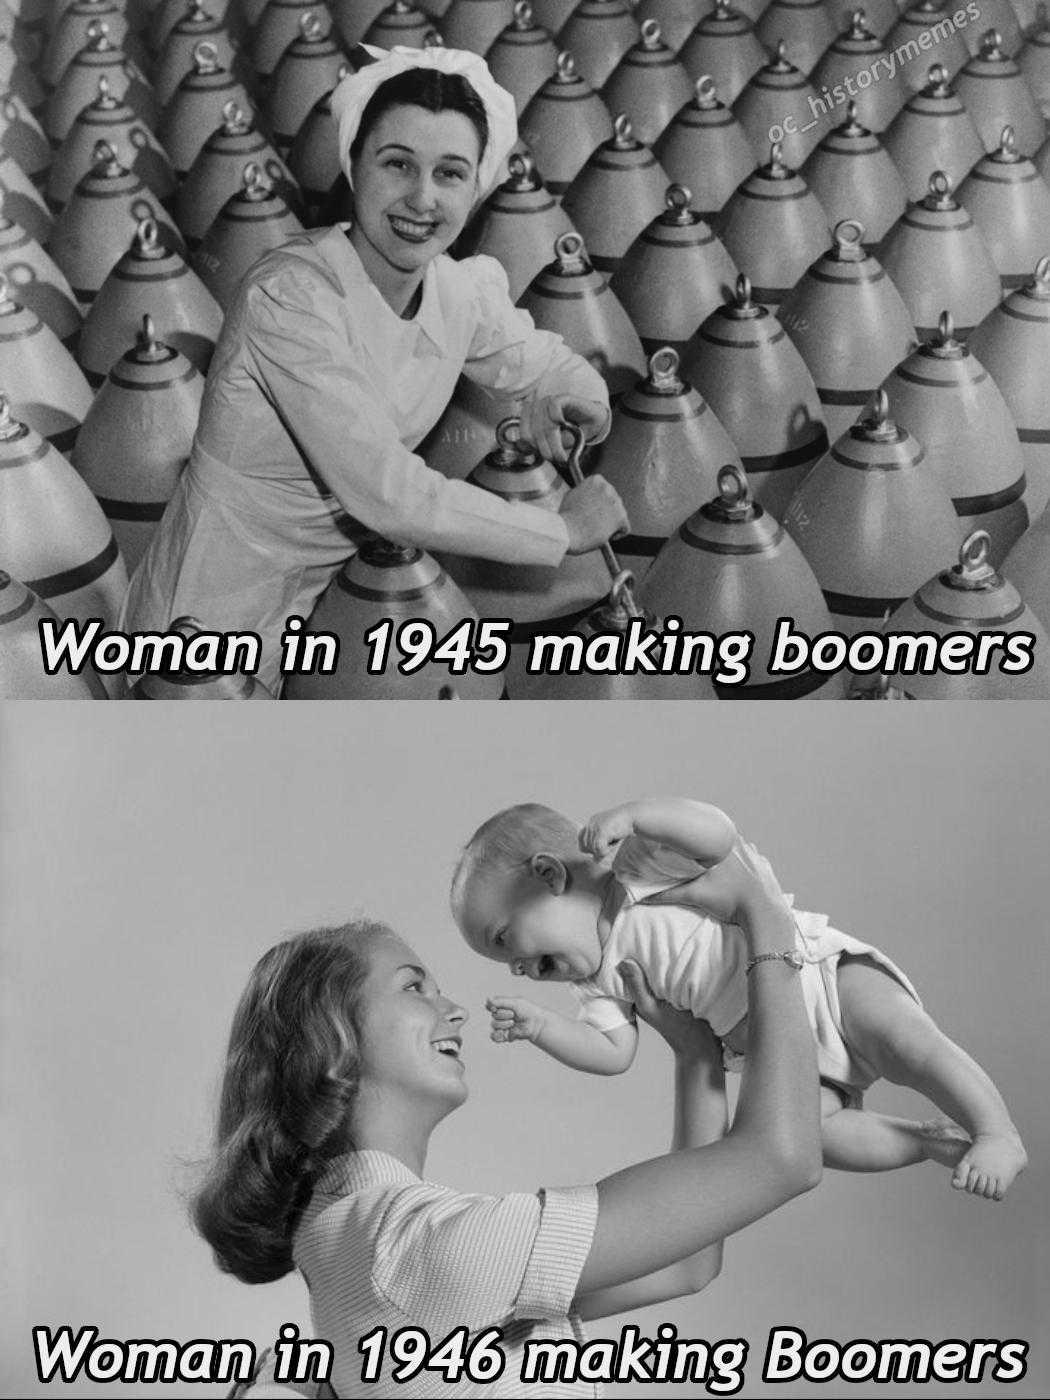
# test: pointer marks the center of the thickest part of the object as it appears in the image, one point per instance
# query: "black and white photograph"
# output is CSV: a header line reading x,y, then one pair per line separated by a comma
x,y
299,1051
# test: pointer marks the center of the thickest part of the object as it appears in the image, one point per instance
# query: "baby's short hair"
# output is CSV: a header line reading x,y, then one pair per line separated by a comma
x,y
508,841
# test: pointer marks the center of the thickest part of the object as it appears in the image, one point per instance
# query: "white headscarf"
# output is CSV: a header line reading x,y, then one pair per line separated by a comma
x,y
353,93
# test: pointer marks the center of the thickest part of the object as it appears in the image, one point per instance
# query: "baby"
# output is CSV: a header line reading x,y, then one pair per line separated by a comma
x,y
561,904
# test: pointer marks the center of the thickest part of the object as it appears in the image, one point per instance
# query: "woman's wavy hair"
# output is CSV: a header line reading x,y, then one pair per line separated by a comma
x,y
291,1075
427,88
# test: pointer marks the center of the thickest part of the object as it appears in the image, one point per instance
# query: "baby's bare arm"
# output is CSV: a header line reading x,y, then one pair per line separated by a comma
x,y
696,829
575,1043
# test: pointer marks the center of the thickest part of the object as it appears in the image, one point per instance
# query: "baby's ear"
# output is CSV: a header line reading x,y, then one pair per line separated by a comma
x,y
551,870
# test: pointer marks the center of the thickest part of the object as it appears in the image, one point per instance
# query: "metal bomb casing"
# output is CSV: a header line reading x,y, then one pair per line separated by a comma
x,y
649,84
518,224
1013,344
724,44
166,14
79,85
217,174
197,107
136,438
732,568
73,31
398,582
619,191
475,24
22,674
872,519
23,138
1010,204
188,684
351,17
307,70
849,324
552,14
705,150
573,298
936,257
1034,63
743,363
613,618
564,125
1027,566
929,17
598,33
23,202
92,231
858,50
1006,19
523,57
777,94
175,57
249,224
52,530
677,18
674,274
114,121
933,131
854,178
149,275
39,376
401,24
951,403
663,453
277,28
313,159
971,597
996,95
36,280
775,227
555,596
804,27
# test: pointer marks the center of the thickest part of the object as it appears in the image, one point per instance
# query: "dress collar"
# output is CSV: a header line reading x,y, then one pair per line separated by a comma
x,y
429,318
353,1171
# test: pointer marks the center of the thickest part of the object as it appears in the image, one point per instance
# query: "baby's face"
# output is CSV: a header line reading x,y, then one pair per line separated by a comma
x,y
518,920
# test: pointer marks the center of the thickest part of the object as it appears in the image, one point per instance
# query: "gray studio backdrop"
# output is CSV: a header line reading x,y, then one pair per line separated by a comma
x,y
150,854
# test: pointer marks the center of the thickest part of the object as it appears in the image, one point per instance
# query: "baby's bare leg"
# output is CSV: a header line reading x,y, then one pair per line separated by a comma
x,y
858,1141
904,1045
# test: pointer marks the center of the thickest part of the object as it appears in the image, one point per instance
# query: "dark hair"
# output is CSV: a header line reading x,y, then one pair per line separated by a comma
x,y
428,88
290,1079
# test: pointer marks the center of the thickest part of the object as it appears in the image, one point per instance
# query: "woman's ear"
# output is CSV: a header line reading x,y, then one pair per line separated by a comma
x,y
551,871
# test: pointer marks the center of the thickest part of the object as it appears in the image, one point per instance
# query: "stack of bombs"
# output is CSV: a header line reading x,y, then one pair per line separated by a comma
x,y
807,249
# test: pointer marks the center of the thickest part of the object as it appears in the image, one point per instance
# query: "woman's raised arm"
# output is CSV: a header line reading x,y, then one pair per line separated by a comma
x,y
657,1212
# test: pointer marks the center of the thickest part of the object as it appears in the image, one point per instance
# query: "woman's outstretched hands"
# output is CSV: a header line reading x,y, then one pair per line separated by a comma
x,y
514,1018
684,1033
543,420
603,832
730,889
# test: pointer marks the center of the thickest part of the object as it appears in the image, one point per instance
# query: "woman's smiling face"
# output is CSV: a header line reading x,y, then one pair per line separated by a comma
x,y
409,1035
415,182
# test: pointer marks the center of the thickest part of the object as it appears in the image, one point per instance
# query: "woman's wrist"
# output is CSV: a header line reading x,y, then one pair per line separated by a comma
x,y
767,923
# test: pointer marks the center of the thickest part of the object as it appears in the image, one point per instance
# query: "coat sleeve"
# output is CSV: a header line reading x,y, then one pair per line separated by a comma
x,y
314,380
514,360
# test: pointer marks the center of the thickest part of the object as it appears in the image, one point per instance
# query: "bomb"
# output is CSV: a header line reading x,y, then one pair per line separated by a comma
x,y
194,682
872,519
929,18
197,108
705,150
79,22
999,648
36,280
175,57
307,69
22,138
23,202
114,121
803,26
853,178
79,85
249,224
731,568
936,257
400,24
1010,204
858,51
933,131
22,673
724,43
649,84
849,324
136,438
1013,344
775,227
996,95
313,159
953,407
662,455
778,105
39,376
564,125
616,194
518,225
388,585
757,383
677,18
1027,566
476,24
523,57
598,33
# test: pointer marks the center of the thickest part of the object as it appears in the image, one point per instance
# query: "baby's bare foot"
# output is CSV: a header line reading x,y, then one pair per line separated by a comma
x,y
989,1167
943,1141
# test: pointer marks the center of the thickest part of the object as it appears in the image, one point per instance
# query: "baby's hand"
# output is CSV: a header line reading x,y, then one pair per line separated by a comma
x,y
515,1018
606,830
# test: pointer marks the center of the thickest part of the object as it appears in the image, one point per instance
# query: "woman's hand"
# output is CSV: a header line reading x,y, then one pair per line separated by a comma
x,y
687,1036
593,514
733,890
543,420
